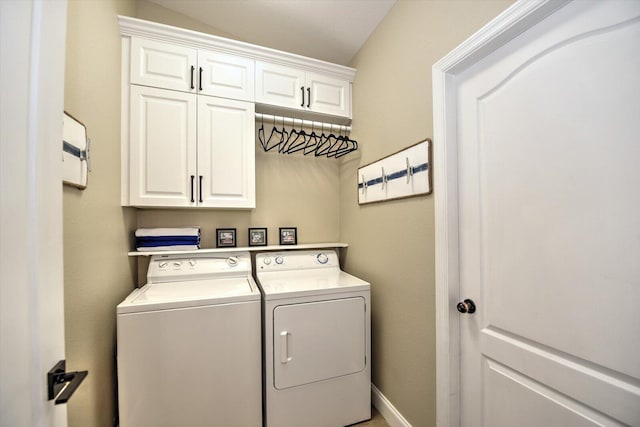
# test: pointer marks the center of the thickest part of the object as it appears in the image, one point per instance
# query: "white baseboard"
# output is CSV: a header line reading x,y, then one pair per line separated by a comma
x,y
391,415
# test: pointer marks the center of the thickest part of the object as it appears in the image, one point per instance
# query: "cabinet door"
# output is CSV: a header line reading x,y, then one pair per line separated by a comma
x,y
163,65
279,85
226,153
226,76
162,147
328,95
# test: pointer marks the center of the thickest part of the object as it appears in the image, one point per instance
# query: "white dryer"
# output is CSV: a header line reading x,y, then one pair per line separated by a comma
x,y
189,344
317,340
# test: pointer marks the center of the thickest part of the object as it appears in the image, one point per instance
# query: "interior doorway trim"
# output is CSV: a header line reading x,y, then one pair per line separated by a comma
x,y
513,21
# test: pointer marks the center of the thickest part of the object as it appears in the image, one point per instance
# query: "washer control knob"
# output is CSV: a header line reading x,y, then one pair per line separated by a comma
x,y
177,264
322,258
192,262
266,260
163,264
279,260
232,261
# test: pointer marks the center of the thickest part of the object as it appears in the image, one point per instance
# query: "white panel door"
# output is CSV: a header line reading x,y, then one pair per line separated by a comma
x,y
162,147
32,341
226,76
328,95
163,65
279,85
549,223
226,153
317,341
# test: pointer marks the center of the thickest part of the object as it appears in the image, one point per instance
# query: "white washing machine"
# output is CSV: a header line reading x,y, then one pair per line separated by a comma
x,y
317,340
189,344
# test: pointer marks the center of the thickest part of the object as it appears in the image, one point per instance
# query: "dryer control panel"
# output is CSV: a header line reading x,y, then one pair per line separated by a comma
x,y
297,260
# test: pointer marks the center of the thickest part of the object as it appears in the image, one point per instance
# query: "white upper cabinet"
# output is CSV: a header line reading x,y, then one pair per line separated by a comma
x,y
226,76
190,150
169,66
279,85
162,147
226,153
328,95
297,89
163,65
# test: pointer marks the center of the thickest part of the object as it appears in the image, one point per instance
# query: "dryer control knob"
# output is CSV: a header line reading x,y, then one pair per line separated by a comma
x,y
177,264
163,264
279,260
232,261
266,260
192,262
322,258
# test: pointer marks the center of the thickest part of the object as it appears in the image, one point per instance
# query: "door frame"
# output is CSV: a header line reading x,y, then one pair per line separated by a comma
x,y
515,20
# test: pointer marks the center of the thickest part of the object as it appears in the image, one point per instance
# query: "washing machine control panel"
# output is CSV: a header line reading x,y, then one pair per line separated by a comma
x,y
173,268
297,260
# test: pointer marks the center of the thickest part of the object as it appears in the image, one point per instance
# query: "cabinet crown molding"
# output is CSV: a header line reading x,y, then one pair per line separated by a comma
x,y
167,33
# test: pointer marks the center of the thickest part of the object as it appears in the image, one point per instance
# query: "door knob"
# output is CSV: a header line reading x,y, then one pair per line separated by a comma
x,y
466,306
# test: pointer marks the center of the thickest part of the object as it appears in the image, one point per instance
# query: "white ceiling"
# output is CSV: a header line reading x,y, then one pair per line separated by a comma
x,y
331,30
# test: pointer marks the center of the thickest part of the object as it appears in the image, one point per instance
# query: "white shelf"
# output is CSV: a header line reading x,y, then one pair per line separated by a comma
x,y
247,248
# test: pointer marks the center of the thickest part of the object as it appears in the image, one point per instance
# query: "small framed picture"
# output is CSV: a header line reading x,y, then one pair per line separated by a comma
x,y
288,236
225,237
257,237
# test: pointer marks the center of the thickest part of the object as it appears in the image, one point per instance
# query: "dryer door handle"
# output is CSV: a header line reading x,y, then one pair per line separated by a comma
x,y
284,347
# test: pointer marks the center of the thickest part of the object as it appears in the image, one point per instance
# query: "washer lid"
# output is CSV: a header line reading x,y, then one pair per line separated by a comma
x,y
195,293
285,284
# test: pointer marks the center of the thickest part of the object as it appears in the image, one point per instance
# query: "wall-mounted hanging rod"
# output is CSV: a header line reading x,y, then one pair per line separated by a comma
x,y
303,123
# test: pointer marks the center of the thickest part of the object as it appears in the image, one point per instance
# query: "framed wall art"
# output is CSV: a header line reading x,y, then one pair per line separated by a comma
x,y
75,152
406,173
257,237
288,236
226,238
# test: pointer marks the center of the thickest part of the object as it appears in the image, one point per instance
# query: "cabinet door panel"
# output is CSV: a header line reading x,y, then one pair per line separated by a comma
x,y
278,85
226,76
329,95
226,152
162,65
163,143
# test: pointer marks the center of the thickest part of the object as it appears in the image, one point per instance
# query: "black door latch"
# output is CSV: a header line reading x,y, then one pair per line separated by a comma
x,y
61,385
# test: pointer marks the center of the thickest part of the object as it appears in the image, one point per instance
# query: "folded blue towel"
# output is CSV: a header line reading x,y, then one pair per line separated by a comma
x,y
166,242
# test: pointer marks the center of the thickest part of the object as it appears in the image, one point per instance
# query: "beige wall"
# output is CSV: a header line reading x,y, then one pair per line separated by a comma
x,y
98,273
156,13
391,244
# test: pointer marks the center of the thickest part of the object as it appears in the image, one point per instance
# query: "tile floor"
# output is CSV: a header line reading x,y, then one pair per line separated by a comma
x,y
375,421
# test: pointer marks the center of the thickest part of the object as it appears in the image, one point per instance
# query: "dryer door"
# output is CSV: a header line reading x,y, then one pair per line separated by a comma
x,y
318,340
